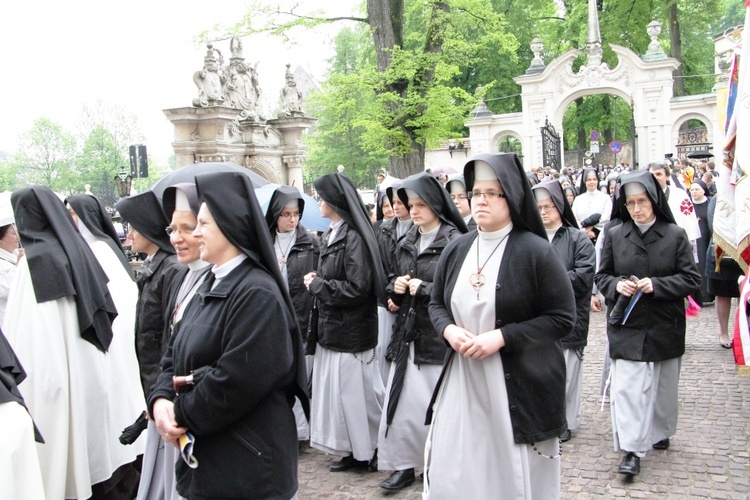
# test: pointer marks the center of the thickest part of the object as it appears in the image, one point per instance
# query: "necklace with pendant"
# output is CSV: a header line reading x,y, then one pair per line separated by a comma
x,y
477,279
282,259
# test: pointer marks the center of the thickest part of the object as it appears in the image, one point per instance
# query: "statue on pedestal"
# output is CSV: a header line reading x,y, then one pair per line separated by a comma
x,y
209,80
241,87
291,97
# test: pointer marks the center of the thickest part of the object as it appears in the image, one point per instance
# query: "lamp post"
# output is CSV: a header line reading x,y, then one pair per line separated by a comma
x,y
123,181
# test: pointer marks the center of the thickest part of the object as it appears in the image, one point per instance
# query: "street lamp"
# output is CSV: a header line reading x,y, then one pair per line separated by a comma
x,y
123,181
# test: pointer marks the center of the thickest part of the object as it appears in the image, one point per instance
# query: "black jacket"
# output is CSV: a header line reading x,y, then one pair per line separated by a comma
x,y
303,258
387,242
655,330
534,309
153,295
347,305
429,347
579,258
240,411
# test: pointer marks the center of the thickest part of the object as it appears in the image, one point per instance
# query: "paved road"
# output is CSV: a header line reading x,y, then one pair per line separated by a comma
x,y
709,456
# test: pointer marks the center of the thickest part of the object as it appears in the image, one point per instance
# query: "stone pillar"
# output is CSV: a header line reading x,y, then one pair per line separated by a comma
x,y
292,148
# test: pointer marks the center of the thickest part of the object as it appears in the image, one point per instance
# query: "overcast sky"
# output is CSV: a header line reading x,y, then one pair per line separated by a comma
x,y
140,54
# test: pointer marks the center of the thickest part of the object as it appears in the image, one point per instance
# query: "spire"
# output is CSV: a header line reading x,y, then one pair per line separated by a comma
x,y
593,38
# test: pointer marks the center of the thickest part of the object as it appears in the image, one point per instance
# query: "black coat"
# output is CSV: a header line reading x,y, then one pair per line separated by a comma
x,y
347,305
655,330
153,295
534,306
240,411
579,258
302,259
429,347
387,242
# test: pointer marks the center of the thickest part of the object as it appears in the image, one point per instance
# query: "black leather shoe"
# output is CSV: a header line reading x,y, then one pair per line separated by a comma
x,y
662,445
630,465
566,436
346,463
373,464
399,479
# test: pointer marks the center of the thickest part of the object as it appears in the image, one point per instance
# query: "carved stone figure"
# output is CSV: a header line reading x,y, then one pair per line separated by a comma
x,y
291,97
209,80
241,88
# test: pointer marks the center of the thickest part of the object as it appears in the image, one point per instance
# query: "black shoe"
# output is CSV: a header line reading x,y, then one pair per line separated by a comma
x,y
662,445
630,465
373,464
399,479
346,463
566,436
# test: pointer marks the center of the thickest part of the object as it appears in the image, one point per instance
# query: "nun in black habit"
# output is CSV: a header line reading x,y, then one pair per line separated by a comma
x,y
349,282
579,258
59,322
502,300
456,187
647,345
416,350
244,341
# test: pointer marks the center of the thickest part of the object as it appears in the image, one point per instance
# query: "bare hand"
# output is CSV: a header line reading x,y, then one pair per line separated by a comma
x,y
401,284
626,288
596,304
645,285
414,286
483,345
308,278
165,421
457,336
392,307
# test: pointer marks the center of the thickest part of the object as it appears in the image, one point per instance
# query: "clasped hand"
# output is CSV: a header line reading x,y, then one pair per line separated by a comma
x,y
405,282
628,287
473,346
165,422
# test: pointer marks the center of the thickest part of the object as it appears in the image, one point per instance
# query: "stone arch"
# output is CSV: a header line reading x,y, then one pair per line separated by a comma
x,y
681,118
495,141
264,168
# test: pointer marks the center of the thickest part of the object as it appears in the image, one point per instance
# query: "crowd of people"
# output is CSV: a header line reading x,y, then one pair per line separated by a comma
x,y
445,338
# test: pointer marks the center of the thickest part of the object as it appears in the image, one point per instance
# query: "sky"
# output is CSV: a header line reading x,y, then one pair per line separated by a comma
x,y
140,54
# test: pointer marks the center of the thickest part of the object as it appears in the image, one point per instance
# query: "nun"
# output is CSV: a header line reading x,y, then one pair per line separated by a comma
x,y
416,350
297,254
579,258
502,300
8,259
154,278
383,210
591,207
456,187
349,282
244,350
181,207
79,388
646,325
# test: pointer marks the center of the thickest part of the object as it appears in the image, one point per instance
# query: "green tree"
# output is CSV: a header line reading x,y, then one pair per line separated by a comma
x,y
46,155
98,164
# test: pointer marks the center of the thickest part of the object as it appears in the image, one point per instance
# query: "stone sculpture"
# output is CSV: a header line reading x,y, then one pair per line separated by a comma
x,y
291,97
210,79
241,87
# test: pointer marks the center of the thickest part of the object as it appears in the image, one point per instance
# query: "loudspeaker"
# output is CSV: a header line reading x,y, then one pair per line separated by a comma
x,y
133,162
143,160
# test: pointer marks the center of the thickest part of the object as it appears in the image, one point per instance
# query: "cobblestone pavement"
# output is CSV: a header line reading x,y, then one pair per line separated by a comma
x,y
709,456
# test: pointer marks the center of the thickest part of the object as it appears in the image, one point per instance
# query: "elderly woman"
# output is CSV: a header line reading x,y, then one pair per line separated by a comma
x,y
244,343
646,325
349,282
579,258
591,207
417,351
502,300
59,322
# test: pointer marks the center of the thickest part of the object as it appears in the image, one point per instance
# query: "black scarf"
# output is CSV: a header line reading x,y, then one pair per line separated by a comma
x,y
279,199
145,214
340,193
61,263
521,201
90,211
435,196
557,195
169,198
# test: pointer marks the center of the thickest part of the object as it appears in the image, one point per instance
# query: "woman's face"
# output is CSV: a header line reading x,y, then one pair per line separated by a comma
x,y
640,208
489,214
696,192
185,243
461,200
387,209
325,209
570,196
400,209
9,242
422,215
592,181
288,219
215,248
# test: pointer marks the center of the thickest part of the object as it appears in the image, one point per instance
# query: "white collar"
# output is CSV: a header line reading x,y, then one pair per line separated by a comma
x,y
223,270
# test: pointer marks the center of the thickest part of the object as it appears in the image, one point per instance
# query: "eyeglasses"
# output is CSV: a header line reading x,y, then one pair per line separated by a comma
x,y
290,215
184,230
488,196
637,203
545,208
456,197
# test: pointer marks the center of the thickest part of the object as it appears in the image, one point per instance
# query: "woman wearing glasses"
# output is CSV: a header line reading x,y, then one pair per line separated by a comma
x,y
502,300
646,343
